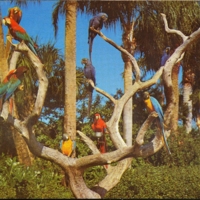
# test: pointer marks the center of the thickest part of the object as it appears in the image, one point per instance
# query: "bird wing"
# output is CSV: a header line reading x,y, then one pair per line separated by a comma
x,y
74,145
164,58
159,110
12,86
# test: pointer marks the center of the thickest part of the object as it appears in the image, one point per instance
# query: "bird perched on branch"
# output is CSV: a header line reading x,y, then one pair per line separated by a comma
x,y
15,13
166,54
19,33
153,105
99,126
10,84
89,72
67,146
97,23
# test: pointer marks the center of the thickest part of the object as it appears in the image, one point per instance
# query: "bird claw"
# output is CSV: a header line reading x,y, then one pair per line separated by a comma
x,y
21,87
155,114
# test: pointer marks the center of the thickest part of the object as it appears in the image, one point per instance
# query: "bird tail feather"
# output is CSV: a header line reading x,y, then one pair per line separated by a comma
x,y
164,139
90,49
89,103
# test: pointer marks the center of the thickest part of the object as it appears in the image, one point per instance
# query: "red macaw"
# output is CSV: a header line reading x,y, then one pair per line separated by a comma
x,y
99,125
67,146
15,13
12,81
19,33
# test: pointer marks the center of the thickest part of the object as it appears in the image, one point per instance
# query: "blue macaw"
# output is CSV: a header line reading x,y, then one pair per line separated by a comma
x,y
89,72
19,33
67,145
153,105
10,84
97,23
165,56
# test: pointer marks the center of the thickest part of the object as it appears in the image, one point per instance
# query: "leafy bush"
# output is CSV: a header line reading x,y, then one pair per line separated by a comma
x,y
184,148
42,180
158,182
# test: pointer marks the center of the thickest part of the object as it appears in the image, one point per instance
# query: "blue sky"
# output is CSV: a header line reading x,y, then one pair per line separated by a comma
x,y
37,21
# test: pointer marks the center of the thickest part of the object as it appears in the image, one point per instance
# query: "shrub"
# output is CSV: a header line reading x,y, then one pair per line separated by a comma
x,y
158,182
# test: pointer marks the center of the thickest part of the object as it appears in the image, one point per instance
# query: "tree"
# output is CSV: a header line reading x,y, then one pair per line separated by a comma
x,y
69,9
74,167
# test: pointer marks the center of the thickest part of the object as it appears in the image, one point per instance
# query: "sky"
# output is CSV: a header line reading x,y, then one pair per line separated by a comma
x,y
37,21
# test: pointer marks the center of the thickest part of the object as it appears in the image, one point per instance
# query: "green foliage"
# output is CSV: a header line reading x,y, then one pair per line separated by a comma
x,y
158,182
42,180
184,148
93,175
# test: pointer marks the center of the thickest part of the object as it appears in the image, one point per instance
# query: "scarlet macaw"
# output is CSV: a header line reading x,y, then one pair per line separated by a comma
x,y
19,33
89,72
166,54
99,125
12,81
153,105
67,146
97,23
15,13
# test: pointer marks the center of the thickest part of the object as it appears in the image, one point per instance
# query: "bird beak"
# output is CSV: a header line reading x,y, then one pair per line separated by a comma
x,y
82,61
4,21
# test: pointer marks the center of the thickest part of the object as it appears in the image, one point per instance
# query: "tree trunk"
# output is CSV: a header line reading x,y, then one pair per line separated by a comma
x,y
188,80
129,45
70,71
127,112
174,119
3,60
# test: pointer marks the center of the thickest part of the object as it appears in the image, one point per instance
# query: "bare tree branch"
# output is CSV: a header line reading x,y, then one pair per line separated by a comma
x,y
133,60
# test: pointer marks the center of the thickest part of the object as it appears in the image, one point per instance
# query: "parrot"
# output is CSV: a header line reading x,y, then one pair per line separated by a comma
x,y
67,146
15,13
153,105
12,81
166,54
89,72
99,125
19,33
97,23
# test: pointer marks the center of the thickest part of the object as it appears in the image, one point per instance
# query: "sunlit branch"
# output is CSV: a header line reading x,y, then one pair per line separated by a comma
x,y
133,60
102,92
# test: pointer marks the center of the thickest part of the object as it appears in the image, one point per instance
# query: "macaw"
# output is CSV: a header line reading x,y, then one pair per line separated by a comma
x,y
19,33
97,23
67,146
15,13
99,125
166,54
153,105
12,81
89,72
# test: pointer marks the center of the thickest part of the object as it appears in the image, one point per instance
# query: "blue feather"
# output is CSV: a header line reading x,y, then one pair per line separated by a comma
x,y
159,110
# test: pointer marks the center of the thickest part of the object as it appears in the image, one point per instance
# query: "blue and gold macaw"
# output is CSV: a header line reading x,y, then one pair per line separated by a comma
x,y
19,33
89,72
165,56
153,105
67,145
97,23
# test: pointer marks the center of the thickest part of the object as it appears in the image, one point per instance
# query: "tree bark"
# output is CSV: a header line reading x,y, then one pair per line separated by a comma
x,y
70,71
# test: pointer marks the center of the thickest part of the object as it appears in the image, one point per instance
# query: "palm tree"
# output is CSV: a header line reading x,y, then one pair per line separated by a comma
x,y
69,9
